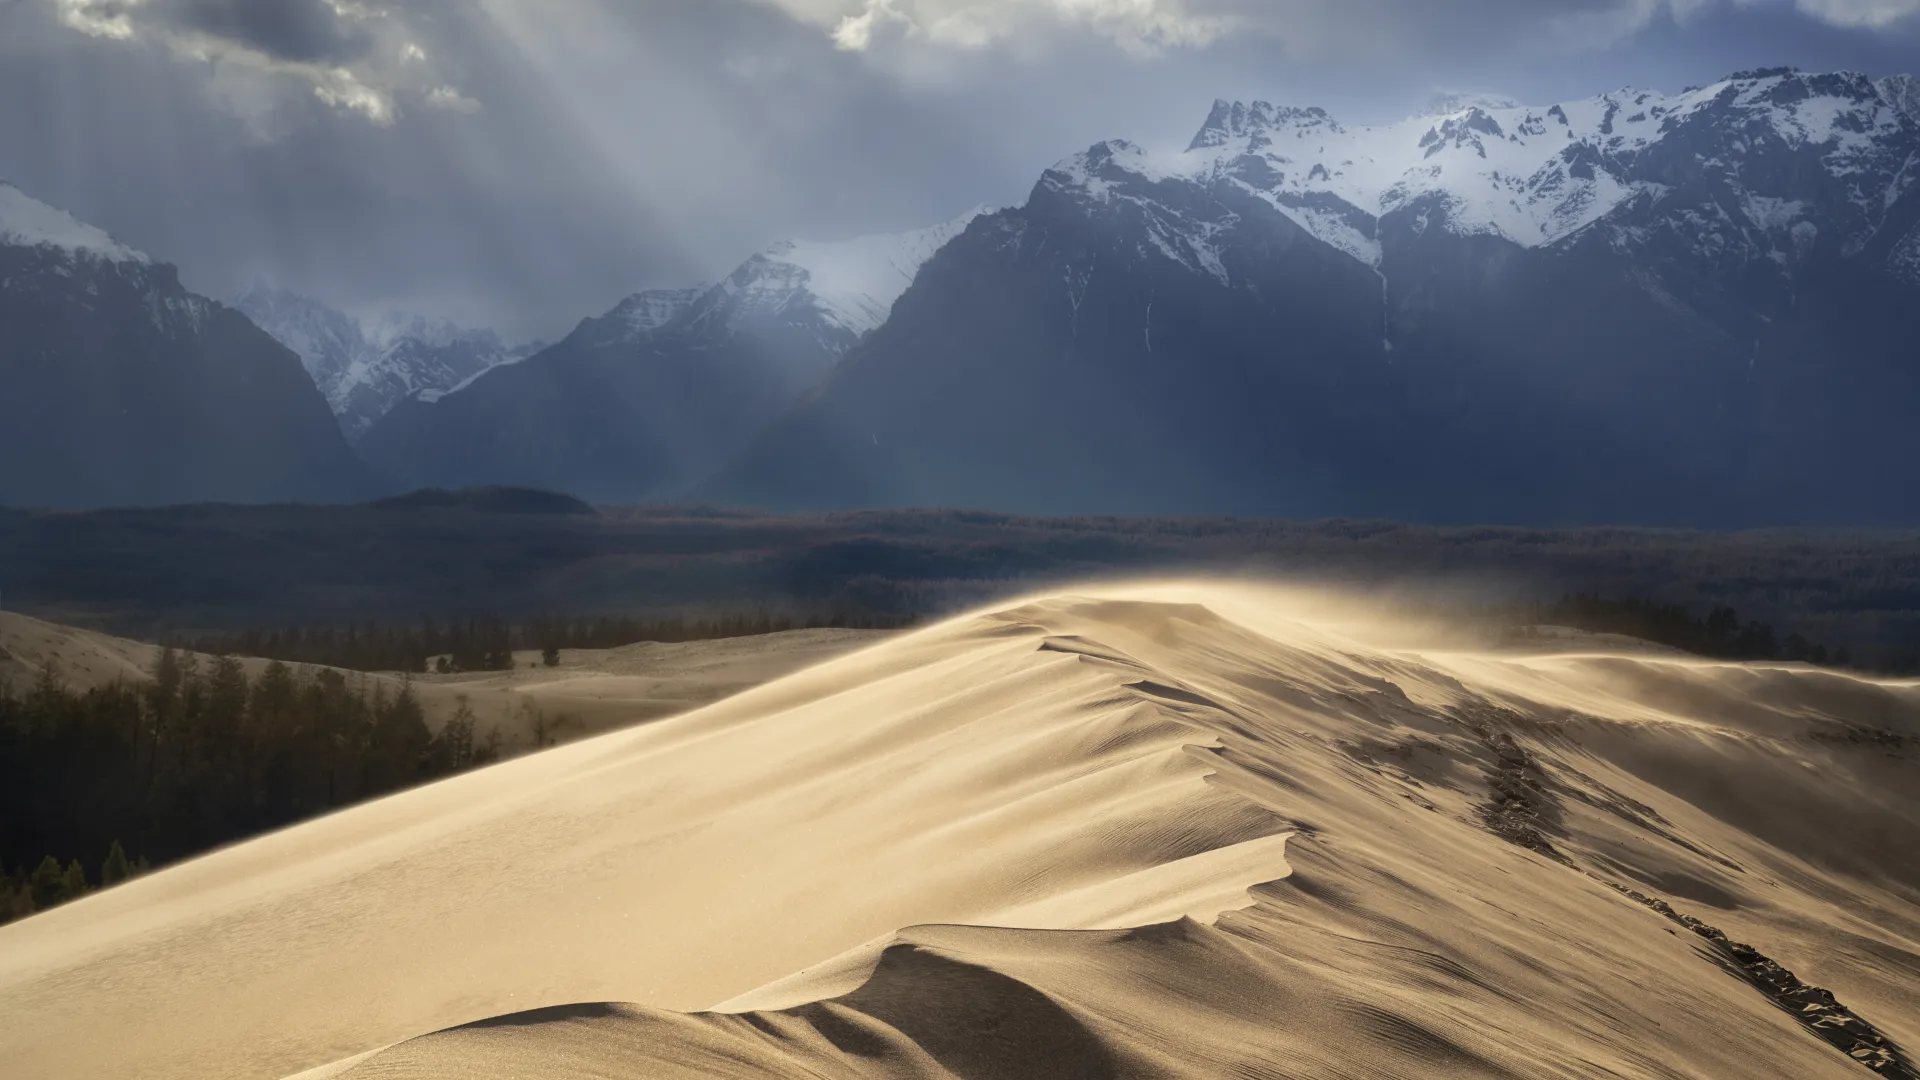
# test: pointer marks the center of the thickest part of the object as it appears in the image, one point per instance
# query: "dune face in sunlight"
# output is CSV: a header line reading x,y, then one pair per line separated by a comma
x,y
1182,830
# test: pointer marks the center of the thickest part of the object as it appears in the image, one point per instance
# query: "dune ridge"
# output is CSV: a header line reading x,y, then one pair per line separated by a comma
x,y
1186,829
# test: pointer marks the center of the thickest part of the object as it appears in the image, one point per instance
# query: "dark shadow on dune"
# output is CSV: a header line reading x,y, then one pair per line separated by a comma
x,y
552,1014
977,1023
845,1035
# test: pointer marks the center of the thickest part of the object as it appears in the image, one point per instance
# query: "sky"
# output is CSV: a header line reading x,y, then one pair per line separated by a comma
x,y
522,164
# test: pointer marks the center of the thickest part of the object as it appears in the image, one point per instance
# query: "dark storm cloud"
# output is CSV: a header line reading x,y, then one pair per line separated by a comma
x,y
303,30
525,163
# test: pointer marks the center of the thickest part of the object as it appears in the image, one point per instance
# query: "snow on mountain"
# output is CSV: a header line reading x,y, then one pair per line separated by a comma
x,y
1532,175
1903,93
27,222
365,368
846,287
856,281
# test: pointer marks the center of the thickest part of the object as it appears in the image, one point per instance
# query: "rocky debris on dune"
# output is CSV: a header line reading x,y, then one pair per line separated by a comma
x,y
1814,1006
1520,806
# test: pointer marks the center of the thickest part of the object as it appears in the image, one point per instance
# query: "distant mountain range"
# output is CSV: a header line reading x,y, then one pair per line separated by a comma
x,y
364,370
1694,309
645,401
1689,309
120,387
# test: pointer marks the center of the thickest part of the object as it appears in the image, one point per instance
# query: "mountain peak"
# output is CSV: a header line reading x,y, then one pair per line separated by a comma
x,y
1232,120
364,367
28,222
852,283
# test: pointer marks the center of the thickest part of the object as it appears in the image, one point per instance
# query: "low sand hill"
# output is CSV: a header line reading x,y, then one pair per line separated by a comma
x,y
1183,830
591,691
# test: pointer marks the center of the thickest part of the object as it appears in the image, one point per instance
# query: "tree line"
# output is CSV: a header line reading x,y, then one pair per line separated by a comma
x,y
488,643
201,756
1719,634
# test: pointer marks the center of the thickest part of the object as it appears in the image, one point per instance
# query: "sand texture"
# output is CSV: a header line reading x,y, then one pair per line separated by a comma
x,y
1181,830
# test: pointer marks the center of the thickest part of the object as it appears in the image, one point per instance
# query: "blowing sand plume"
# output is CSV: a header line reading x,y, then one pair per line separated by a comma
x,y
1185,830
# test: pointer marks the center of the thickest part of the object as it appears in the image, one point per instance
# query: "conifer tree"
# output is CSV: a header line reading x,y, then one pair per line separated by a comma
x,y
115,869
48,884
74,881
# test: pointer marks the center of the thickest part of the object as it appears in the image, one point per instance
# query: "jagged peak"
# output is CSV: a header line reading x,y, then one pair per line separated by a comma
x,y
1533,175
1759,74
1231,120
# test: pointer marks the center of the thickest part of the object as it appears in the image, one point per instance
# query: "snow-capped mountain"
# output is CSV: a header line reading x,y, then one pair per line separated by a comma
x,y
363,369
658,392
848,285
123,388
1537,176
1690,308
837,291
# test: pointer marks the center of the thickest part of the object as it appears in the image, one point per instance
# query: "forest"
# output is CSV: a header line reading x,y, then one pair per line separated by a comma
x,y
488,644
97,786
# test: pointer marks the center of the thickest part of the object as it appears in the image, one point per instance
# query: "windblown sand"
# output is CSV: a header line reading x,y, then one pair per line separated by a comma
x,y
1184,830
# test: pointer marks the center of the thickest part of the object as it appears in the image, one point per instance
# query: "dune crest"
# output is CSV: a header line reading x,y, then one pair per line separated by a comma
x,y
1174,830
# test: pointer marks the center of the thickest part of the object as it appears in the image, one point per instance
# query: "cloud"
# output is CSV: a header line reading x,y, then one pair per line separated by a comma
x,y
523,163
311,31
353,57
1869,14
1152,27
1137,25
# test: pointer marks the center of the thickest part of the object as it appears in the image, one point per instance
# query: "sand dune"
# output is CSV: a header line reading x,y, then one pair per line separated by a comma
x,y
1183,830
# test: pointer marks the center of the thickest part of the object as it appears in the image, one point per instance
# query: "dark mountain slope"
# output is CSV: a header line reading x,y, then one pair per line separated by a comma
x,y
123,388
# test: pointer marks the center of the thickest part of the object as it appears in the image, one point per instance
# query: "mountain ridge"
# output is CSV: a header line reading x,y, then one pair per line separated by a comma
x,y
1678,315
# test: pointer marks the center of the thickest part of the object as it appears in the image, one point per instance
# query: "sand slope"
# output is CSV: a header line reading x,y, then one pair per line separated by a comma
x,y
1177,831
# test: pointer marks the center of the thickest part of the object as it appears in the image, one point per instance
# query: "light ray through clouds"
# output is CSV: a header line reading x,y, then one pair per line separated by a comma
x,y
527,162
646,131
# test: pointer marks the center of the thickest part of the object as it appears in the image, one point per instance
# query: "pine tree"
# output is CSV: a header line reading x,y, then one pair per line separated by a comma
x,y
74,881
48,884
115,869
